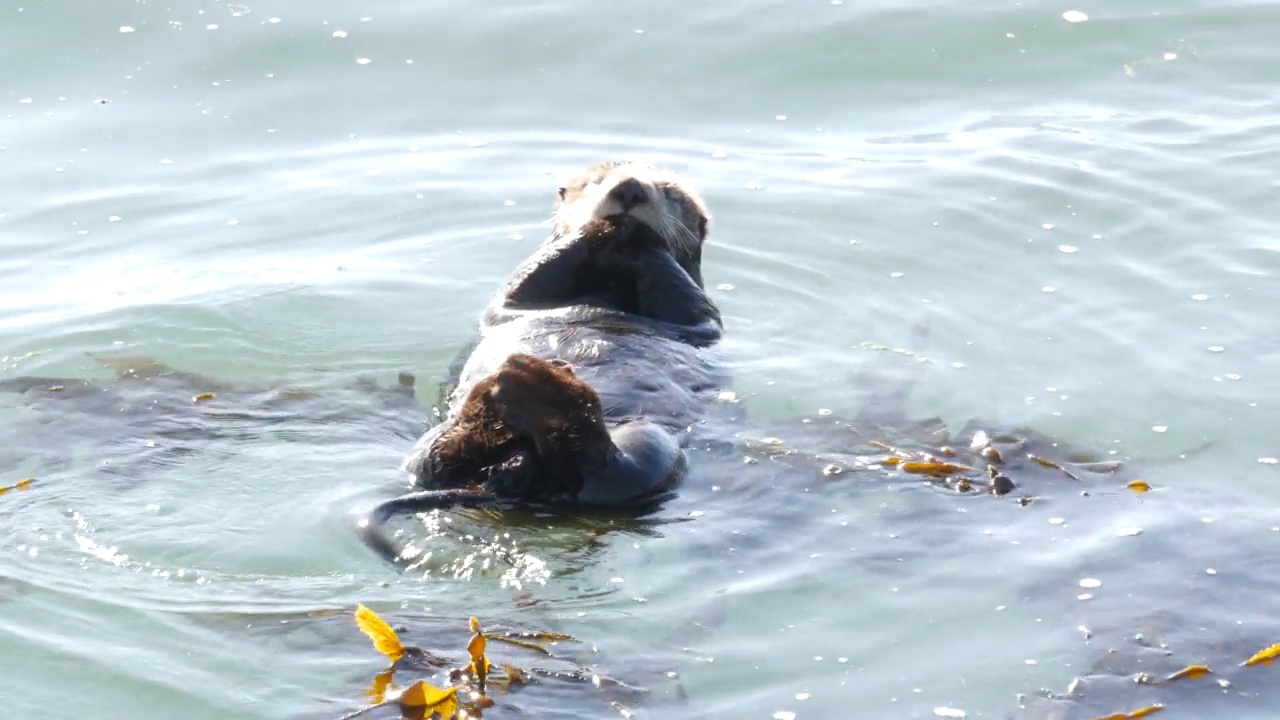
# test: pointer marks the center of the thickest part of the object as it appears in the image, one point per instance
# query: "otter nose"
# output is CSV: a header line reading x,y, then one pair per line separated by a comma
x,y
629,193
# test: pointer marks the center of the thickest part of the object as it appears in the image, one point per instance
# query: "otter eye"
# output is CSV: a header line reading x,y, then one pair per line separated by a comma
x,y
563,191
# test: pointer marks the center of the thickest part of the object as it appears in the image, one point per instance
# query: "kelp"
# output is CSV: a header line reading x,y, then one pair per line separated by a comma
x,y
1263,657
24,484
1139,713
384,638
982,465
421,699
1190,672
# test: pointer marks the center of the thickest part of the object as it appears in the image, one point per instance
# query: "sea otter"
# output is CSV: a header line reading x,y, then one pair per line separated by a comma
x,y
591,366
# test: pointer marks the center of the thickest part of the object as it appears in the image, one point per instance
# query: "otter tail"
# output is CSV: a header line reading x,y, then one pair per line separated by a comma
x,y
372,526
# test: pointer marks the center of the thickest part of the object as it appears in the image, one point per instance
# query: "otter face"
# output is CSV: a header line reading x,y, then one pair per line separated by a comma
x,y
645,193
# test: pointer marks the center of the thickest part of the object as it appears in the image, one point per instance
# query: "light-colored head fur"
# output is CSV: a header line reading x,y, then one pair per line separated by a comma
x,y
668,207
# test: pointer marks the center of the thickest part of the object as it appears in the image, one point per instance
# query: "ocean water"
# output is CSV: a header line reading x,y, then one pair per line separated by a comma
x,y
1080,207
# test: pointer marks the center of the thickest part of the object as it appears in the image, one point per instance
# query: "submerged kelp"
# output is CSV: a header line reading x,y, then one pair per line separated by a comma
x,y
1006,470
1199,642
147,414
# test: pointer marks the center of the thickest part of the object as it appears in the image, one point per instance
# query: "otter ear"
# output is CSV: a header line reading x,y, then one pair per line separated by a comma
x,y
563,191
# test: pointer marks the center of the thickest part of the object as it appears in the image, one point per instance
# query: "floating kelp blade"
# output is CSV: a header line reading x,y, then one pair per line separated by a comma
x,y
933,469
889,448
1263,656
422,698
1139,713
1190,672
515,676
384,638
20,485
524,641
377,691
479,665
1046,462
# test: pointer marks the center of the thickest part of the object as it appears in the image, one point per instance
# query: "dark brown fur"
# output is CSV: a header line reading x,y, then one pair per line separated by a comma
x,y
616,292
528,404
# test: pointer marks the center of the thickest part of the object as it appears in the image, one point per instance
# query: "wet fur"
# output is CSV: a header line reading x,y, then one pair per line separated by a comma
x,y
591,366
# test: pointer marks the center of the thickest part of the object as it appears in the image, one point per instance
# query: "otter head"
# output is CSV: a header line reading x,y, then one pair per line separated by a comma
x,y
643,193
530,430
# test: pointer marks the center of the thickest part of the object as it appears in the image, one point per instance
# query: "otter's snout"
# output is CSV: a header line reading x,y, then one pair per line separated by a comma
x,y
628,194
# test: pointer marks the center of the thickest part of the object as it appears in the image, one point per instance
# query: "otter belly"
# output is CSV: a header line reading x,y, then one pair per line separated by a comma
x,y
638,371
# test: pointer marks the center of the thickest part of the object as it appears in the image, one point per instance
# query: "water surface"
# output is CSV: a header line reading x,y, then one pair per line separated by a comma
x,y
311,193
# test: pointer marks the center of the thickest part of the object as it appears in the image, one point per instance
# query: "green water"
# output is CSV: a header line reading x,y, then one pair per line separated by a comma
x,y
1084,212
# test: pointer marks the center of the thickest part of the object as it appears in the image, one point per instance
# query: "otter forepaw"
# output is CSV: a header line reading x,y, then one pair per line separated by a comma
x,y
623,238
530,394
